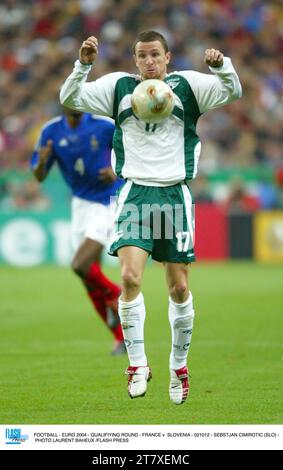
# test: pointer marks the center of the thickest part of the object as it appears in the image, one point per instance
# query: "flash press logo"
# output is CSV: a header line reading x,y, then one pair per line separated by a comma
x,y
15,436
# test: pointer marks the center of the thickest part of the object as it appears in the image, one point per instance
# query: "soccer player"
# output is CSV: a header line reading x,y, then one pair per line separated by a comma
x,y
81,144
157,161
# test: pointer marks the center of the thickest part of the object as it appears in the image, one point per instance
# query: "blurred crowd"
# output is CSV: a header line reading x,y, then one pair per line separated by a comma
x,y
39,42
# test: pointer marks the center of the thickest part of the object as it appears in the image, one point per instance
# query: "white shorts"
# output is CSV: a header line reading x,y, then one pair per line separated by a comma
x,y
91,220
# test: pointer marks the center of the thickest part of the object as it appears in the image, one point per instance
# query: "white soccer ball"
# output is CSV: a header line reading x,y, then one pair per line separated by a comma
x,y
152,101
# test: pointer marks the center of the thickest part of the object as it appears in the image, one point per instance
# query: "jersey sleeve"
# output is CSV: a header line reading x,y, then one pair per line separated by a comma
x,y
42,141
213,91
94,97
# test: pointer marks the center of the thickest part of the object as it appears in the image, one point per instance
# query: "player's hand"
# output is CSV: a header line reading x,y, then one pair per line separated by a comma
x,y
107,175
45,152
213,58
88,51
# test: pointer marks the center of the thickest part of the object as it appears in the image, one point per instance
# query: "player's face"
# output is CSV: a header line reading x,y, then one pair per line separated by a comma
x,y
151,59
73,116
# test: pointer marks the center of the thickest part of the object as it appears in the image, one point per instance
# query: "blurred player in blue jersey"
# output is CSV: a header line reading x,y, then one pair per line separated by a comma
x,y
81,145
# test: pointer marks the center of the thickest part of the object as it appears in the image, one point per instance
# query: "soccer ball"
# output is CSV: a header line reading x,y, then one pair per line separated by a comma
x,y
152,101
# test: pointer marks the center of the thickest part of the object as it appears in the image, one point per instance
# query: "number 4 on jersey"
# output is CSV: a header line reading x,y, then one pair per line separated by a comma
x,y
79,166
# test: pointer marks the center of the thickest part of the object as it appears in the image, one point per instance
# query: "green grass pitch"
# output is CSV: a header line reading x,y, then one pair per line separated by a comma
x,y
57,368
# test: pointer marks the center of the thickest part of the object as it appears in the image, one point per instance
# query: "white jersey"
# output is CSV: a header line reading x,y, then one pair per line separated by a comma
x,y
160,154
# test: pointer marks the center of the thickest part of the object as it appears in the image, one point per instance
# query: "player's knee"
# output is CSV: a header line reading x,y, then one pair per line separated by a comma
x,y
78,267
178,290
130,278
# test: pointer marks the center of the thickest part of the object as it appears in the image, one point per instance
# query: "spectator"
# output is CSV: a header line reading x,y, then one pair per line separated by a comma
x,y
240,200
44,37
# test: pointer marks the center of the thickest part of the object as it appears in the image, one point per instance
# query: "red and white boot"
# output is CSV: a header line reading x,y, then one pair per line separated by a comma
x,y
137,380
179,385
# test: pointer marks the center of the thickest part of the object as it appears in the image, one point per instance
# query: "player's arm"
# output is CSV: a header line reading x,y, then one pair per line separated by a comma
x,y
41,159
107,175
88,51
95,97
213,91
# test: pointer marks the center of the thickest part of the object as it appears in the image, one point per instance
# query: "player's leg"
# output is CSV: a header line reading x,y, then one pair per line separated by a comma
x,y
133,250
132,262
87,264
102,292
181,318
176,251
90,225
89,252
177,281
132,315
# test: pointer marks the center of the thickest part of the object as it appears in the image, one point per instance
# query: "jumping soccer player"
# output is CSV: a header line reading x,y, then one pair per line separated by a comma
x,y
81,145
157,161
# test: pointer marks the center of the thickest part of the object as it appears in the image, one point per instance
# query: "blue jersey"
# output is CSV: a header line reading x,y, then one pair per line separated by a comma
x,y
80,153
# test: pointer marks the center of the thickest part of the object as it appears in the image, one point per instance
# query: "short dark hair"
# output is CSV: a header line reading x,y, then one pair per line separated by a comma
x,y
148,36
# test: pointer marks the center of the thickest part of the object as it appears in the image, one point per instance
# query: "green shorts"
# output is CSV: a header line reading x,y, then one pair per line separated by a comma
x,y
157,219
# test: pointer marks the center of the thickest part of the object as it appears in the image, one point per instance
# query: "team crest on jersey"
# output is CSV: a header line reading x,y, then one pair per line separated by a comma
x,y
173,82
94,143
63,143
